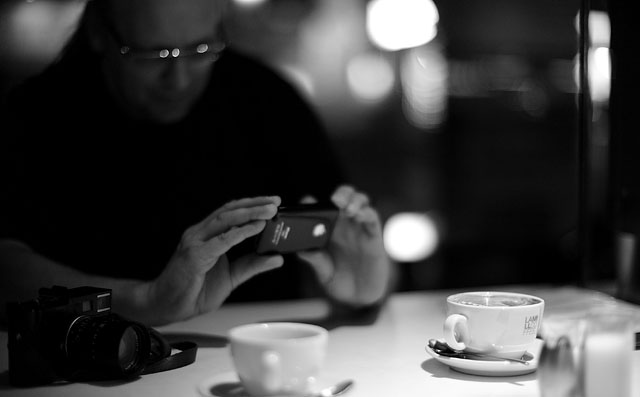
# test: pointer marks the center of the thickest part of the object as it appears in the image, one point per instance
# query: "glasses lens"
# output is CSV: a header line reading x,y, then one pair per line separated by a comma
x,y
202,52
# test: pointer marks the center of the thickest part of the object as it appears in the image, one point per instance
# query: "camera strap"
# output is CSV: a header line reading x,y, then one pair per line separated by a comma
x,y
161,357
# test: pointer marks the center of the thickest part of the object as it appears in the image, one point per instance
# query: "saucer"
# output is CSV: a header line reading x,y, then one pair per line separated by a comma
x,y
491,367
227,384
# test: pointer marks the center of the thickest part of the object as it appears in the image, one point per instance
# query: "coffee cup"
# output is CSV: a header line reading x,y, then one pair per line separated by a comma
x,y
278,358
503,324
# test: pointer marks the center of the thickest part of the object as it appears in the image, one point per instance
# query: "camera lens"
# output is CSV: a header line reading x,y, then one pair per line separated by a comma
x,y
107,347
129,348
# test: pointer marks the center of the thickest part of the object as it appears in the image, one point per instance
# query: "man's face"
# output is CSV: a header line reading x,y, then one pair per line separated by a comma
x,y
147,85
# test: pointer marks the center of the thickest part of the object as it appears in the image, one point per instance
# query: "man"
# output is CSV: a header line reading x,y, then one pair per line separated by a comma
x,y
146,154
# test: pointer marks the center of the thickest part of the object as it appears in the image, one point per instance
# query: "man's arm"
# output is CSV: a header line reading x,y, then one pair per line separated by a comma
x,y
197,278
24,272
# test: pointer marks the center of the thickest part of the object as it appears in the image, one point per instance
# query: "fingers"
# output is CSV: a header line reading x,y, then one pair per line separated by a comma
x,y
357,207
236,213
370,220
199,276
251,265
248,202
225,277
222,242
348,199
322,266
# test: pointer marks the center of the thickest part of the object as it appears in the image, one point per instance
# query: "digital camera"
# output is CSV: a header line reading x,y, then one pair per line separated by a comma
x,y
71,334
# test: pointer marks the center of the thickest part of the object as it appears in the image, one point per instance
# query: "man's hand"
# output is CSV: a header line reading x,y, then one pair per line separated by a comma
x,y
354,268
199,277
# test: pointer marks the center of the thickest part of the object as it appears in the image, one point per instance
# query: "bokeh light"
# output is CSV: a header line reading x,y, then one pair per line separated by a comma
x,y
249,3
299,78
38,30
599,27
599,58
399,24
410,236
424,76
370,77
600,74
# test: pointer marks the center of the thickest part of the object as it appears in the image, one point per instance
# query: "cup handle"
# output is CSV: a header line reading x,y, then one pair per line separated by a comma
x,y
455,327
272,378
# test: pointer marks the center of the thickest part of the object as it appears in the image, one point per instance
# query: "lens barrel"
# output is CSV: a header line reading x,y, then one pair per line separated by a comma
x,y
107,347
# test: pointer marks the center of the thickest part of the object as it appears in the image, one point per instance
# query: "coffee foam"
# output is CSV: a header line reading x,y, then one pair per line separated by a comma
x,y
494,300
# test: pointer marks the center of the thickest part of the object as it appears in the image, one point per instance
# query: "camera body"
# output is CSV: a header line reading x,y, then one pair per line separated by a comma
x,y
71,334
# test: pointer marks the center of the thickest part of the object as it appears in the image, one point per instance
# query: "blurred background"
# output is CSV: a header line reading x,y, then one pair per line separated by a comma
x,y
459,118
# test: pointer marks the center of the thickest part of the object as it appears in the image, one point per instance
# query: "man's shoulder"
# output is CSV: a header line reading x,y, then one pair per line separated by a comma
x,y
53,89
36,87
240,62
237,69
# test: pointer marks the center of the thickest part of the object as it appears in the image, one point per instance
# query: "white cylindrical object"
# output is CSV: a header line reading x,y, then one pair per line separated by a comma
x,y
608,357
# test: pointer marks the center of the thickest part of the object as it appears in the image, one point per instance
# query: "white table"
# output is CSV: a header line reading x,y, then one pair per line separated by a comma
x,y
386,358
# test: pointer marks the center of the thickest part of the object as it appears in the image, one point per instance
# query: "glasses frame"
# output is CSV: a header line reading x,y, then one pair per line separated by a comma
x,y
213,48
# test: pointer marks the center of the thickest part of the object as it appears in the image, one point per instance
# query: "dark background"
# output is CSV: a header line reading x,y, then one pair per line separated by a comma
x,y
500,172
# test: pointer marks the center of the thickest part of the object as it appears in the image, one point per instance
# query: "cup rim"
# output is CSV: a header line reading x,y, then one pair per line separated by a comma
x,y
237,333
494,292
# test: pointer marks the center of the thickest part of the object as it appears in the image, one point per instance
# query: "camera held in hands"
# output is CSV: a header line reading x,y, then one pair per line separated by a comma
x,y
71,334
298,228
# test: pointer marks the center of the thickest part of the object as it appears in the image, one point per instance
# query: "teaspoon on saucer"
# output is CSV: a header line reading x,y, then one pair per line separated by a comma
x,y
335,390
443,349
227,384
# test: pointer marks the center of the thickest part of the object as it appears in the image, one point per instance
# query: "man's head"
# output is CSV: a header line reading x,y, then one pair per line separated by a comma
x,y
157,55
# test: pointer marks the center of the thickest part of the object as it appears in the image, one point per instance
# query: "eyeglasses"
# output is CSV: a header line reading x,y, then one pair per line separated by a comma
x,y
211,51
208,51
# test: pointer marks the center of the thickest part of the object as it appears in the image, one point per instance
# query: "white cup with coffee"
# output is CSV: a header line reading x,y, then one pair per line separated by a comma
x,y
278,358
503,324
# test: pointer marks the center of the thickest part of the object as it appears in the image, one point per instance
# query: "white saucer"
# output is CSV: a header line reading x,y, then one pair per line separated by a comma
x,y
227,384
492,368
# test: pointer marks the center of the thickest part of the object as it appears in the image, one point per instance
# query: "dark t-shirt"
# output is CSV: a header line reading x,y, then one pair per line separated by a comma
x,y
89,187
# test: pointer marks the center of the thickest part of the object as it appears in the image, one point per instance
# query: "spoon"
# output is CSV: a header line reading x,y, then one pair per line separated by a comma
x,y
335,390
444,350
